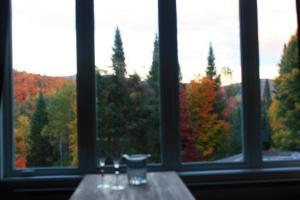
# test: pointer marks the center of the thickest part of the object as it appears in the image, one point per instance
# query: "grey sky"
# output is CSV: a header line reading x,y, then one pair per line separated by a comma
x,y
44,34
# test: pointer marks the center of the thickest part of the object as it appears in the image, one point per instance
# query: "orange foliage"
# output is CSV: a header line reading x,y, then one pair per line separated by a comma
x,y
21,131
211,132
189,151
27,86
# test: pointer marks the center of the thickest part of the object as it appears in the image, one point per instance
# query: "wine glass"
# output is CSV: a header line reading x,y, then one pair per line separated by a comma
x,y
116,156
102,156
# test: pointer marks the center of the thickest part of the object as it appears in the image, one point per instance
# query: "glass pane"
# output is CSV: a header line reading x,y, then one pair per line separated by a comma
x,y
280,80
44,74
210,80
127,65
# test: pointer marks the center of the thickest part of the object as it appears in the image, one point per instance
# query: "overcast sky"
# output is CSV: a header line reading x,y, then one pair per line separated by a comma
x,y
44,35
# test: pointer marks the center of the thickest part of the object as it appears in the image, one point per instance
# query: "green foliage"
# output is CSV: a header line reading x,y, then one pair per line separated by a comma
x,y
153,76
211,68
211,71
40,152
60,115
152,104
265,124
289,59
286,109
235,146
129,108
118,57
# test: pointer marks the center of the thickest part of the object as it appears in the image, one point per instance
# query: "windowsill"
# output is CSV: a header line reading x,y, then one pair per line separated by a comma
x,y
191,178
238,176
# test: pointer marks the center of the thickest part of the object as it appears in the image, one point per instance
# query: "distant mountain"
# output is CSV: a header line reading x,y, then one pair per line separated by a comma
x,y
235,88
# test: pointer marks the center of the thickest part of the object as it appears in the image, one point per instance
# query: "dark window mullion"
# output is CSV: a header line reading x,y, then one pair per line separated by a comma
x,y
4,21
298,21
86,85
250,83
7,110
169,85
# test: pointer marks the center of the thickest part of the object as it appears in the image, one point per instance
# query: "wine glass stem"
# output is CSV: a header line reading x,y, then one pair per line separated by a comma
x,y
102,176
117,178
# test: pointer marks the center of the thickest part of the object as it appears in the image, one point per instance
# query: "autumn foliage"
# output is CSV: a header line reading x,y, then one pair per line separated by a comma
x,y
189,153
27,88
207,131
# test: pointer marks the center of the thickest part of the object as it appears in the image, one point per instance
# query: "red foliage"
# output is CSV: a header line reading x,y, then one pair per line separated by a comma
x,y
190,153
21,162
27,86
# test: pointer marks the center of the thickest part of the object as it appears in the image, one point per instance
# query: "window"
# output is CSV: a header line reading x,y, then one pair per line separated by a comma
x,y
210,81
279,80
97,39
127,74
44,84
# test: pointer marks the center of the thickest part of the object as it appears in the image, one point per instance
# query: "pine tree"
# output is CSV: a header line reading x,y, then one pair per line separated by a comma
x,y
236,140
153,76
118,57
113,95
153,81
211,72
287,98
265,124
40,150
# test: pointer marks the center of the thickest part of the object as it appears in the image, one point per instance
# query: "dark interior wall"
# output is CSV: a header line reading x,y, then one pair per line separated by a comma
x,y
274,191
282,191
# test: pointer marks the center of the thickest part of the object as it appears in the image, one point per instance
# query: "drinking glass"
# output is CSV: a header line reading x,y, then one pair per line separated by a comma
x,y
116,156
102,156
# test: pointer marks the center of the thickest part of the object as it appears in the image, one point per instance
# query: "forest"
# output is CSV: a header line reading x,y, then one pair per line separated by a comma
x,y
45,112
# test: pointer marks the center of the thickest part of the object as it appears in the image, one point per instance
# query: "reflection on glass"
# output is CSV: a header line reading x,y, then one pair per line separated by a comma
x,y
44,86
210,80
280,80
127,74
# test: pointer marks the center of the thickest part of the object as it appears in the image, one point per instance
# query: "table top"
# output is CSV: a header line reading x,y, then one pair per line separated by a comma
x,y
160,186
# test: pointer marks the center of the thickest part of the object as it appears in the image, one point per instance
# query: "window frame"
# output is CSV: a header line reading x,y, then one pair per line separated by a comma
x,y
252,168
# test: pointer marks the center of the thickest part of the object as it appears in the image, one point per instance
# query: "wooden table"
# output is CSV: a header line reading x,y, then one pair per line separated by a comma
x,y
160,186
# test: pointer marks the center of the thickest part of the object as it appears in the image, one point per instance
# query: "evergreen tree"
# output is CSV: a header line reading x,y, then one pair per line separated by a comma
x,y
287,109
236,140
113,95
152,104
211,72
40,150
265,124
118,57
153,76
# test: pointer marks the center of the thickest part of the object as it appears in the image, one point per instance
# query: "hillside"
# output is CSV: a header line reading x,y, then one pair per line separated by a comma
x,y
27,85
